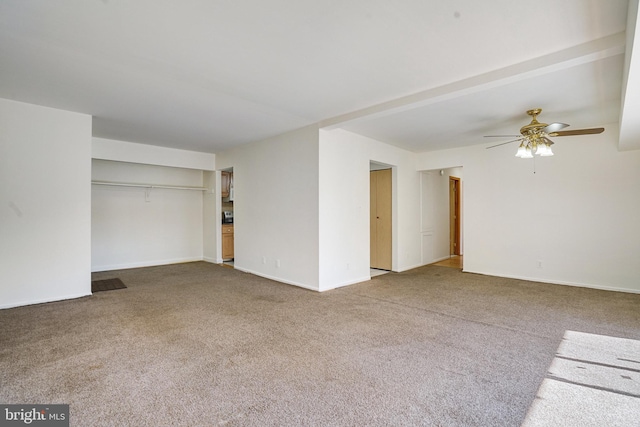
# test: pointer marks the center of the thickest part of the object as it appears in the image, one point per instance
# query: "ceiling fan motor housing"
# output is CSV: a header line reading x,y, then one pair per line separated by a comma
x,y
535,127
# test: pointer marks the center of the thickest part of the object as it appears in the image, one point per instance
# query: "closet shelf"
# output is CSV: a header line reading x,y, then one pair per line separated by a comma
x,y
128,184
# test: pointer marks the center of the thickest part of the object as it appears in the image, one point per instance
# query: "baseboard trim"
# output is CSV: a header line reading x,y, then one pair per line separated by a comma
x,y
43,301
276,279
347,283
557,282
124,266
411,267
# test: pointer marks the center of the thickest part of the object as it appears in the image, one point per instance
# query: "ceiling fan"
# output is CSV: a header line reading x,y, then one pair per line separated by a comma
x,y
534,137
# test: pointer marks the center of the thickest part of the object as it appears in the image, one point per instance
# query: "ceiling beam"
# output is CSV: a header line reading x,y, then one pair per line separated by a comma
x,y
584,53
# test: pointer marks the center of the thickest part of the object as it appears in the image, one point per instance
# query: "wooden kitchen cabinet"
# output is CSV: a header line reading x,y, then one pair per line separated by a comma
x,y
227,241
225,184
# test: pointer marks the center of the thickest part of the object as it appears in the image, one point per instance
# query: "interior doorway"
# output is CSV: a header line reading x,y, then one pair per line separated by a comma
x,y
441,211
380,218
227,194
455,247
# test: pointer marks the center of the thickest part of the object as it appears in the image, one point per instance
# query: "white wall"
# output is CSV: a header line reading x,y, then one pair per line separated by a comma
x,y
123,151
344,210
130,229
344,206
211,217
276,206
45,199
577,215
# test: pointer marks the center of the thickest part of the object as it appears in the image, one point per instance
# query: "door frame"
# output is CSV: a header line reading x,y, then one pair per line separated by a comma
x,y
377,165
454,215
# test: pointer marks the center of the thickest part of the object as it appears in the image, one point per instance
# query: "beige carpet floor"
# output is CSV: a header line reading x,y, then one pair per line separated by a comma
x,y
201,345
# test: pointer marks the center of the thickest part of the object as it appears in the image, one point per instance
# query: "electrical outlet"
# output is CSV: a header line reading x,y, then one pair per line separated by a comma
x,y
277,263
539,264
264,259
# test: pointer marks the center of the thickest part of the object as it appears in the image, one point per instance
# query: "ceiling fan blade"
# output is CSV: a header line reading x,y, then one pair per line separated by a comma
x,y
501,136
577,132
554,127
508,142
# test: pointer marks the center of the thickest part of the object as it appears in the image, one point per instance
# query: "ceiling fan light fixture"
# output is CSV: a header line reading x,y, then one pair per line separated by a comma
x,y
547,151
525,153
544,150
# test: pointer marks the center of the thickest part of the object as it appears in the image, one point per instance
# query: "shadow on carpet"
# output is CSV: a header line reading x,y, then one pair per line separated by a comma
x,y
106,285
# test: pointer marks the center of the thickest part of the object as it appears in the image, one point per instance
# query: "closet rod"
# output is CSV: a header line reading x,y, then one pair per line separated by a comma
x,y
126,184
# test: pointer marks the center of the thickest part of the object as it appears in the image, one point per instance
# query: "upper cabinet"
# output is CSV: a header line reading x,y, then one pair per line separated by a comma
x,y
226,184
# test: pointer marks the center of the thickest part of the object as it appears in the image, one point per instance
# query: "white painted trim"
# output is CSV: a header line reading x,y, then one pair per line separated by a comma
x,y
43,301
422,265
557,282
277,279
439,259
141,264
347,283
212,260
411,267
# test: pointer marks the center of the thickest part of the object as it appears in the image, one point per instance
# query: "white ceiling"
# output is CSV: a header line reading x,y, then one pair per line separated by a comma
x,y
419,74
